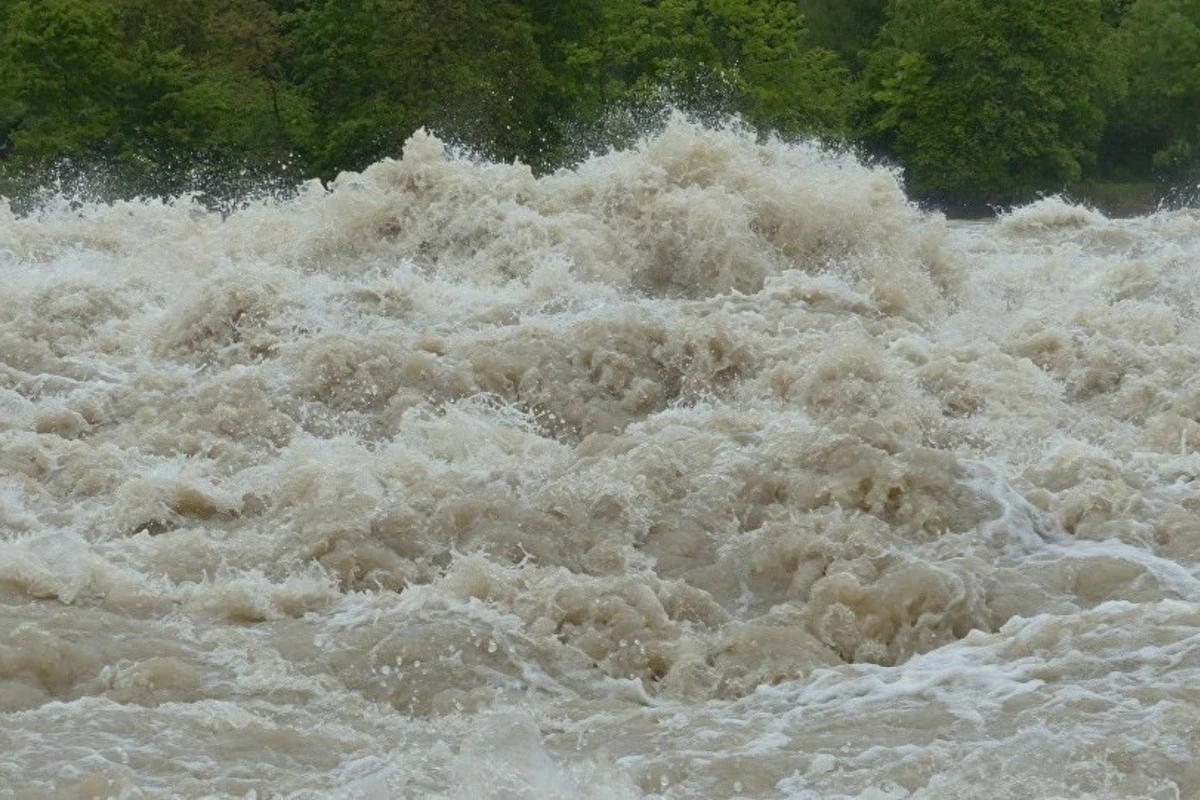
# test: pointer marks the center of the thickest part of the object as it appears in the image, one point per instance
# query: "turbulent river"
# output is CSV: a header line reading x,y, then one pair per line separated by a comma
x,y
710,468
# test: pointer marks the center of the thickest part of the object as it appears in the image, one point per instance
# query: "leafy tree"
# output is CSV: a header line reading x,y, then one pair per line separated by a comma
x,y
220,69
1115,10
1159,123
562,115
785,86
375,70
11,110
848,27
638,53
140,98
713,57
988,102
63,77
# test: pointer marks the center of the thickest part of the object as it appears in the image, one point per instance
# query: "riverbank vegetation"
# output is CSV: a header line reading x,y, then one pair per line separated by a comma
x,y
982,103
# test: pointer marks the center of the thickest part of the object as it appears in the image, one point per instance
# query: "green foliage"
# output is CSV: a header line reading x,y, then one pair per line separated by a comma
x,y
639,52
1115,10
64,77
848,27
711,57
784,85
1162,108
149,95
989,102
375,70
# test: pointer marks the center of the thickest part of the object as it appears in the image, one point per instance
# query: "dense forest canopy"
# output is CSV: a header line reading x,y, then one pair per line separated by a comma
x,y
980,102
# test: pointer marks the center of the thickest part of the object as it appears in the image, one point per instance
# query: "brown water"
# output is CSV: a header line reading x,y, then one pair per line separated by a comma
x,y
708,469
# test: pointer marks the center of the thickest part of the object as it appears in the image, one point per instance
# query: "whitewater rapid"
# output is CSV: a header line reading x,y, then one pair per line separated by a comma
x,y
709,468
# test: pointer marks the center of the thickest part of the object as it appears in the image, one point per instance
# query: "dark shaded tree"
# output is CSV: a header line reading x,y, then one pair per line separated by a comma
x,y
848,27
1158,125
988,103
64,78
376,70
712,58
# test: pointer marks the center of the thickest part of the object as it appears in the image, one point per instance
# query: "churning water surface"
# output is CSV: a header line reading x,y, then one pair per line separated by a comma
x,y
710,468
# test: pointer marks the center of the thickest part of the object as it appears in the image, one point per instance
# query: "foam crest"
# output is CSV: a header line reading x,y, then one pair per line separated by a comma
x,y
1050,213
687,212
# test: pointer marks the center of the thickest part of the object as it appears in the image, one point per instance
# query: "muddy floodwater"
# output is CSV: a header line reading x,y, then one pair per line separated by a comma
x,y
710,468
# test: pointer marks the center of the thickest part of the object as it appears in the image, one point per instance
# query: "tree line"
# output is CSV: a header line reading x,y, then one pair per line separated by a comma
x,y
982,102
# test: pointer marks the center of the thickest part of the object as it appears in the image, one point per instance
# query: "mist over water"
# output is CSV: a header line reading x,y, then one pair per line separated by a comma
x,y
710,468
